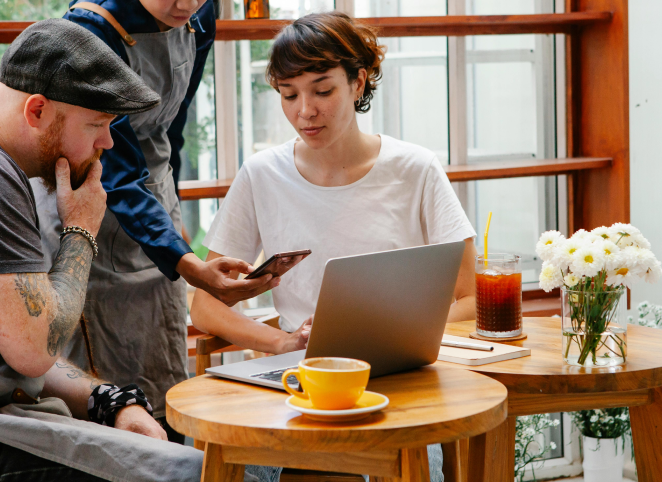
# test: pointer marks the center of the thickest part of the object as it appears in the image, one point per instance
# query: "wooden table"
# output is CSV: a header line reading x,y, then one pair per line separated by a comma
x,y
243,424
542,383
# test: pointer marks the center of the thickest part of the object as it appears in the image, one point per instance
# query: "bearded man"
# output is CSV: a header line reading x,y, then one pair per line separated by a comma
x,y
60,88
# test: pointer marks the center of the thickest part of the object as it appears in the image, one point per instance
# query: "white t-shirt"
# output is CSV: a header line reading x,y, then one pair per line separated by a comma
x,y
405,200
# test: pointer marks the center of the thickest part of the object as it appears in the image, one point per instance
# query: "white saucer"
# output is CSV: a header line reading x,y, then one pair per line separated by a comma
x,y
368,403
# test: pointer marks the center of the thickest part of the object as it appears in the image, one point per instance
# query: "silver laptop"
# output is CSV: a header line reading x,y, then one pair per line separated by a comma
x,y
386,308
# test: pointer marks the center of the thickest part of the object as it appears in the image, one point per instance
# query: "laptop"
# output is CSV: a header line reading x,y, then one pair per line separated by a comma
x,y
387,308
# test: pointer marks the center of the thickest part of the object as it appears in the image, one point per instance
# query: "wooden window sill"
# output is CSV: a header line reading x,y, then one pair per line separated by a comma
x,y
451,25
218,188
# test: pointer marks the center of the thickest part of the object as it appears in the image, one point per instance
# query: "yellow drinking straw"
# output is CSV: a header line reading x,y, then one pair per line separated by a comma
x,y
487,230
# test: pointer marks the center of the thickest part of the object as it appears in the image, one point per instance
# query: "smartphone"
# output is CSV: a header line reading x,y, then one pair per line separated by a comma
x,y
279,263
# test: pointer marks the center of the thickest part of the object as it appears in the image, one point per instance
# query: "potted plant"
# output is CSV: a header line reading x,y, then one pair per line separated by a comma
x,y
603,441
530,443
593,269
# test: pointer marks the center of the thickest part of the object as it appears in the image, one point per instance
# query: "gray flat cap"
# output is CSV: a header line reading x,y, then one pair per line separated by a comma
x,y
67,63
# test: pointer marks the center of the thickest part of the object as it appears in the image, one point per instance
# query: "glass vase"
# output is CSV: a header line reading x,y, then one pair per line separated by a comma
x,y
594,327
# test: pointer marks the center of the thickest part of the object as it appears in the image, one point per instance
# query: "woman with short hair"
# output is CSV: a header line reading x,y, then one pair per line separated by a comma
x,y
334,189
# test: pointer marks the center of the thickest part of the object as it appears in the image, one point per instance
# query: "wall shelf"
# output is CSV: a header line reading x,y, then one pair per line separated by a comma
x,y
192,190
452,25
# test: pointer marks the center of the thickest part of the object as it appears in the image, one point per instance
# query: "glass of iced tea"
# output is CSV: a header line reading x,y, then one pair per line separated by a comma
x,y
499,295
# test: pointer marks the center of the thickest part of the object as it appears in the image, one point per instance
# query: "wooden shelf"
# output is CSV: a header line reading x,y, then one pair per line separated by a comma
x,y
192,190
10,30
455,25
527,168
452,25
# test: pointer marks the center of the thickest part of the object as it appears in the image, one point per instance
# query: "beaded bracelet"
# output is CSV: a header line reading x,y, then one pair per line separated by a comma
x,y
83,232
106,400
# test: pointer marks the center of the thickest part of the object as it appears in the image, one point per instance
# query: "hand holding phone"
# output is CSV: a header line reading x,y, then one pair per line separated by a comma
x,y
279,263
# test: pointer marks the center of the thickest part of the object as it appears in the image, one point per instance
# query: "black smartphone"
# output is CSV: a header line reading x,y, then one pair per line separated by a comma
x,y
279,263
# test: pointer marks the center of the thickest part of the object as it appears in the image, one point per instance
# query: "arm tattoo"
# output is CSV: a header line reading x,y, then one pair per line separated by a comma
x,y
75,372
33,288
68,276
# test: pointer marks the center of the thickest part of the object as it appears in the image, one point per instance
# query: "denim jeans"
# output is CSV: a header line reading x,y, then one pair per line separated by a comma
x,y
19,466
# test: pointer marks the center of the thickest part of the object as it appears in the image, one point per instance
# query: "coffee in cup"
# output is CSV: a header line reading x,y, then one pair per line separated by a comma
x,y
330,383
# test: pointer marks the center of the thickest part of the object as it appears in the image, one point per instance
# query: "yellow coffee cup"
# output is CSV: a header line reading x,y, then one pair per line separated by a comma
x,y
330,383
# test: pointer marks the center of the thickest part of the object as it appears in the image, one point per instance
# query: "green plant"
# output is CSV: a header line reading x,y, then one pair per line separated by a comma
x,y
602,423
648,315
529,431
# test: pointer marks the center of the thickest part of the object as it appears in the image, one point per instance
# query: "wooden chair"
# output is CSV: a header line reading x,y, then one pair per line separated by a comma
x,y
208,344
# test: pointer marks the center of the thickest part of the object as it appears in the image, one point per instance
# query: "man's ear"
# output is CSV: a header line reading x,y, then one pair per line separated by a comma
x,y
39,111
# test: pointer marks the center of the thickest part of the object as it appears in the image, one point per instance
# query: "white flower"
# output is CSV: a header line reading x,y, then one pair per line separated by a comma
x,y
641,242
623,234
552,445
550,277
564,252
610,251
588,261
602,232
654,272
621,276
570,280
594,418
585,237
549,240
648,267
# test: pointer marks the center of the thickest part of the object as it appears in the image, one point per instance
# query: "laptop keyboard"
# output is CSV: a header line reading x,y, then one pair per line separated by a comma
x,y
277,376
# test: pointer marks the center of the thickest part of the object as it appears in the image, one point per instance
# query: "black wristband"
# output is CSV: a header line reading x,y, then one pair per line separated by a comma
x,y
106,400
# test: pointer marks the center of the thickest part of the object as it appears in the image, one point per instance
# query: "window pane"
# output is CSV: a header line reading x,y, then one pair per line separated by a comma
x,y
411,102
511,115
399,8
501,110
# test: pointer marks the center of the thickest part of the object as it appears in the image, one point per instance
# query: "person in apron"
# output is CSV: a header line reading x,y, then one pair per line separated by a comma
x,y
136,300
60,88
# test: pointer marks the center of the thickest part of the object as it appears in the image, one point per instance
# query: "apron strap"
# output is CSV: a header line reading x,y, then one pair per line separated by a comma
x,y
102,12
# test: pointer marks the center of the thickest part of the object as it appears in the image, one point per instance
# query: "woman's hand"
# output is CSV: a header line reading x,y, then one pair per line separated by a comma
x,y
297,340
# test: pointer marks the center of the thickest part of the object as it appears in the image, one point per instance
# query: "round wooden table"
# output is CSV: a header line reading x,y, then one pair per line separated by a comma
x,y
542,383
244,424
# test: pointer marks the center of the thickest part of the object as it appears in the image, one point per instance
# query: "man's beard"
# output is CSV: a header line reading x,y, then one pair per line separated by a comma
x,y
50,150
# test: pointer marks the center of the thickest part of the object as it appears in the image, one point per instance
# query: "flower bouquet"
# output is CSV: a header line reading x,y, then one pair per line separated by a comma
x,y
593,269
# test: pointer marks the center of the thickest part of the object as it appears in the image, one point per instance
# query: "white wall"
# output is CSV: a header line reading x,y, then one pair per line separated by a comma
x,y
646,131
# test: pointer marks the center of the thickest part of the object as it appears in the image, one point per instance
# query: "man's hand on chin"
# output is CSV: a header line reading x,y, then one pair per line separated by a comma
x,y
135,418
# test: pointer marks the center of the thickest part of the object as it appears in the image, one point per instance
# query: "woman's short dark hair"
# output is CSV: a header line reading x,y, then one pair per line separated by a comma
x,y
323,41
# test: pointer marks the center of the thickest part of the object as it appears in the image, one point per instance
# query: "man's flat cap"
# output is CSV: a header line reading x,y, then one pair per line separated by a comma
x,y
67,63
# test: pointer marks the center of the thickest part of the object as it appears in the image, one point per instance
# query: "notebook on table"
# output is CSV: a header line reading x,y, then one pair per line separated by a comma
x,y
469,357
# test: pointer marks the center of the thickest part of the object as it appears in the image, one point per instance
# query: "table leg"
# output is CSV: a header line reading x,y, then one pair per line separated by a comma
x,y
492,454
646,423
215,470
415,467
456,460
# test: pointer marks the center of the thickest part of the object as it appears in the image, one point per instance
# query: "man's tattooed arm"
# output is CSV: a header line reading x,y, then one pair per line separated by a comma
x,y
67,382
60,294
68,277
73,373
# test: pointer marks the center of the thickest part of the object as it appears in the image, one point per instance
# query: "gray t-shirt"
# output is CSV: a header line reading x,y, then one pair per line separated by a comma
x,y
20,252
20,241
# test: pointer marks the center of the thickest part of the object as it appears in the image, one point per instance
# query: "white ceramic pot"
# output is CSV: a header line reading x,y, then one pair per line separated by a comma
x,y
603,459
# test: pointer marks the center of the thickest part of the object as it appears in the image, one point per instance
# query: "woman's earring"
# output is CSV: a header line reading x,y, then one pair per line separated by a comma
x,y
359,100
